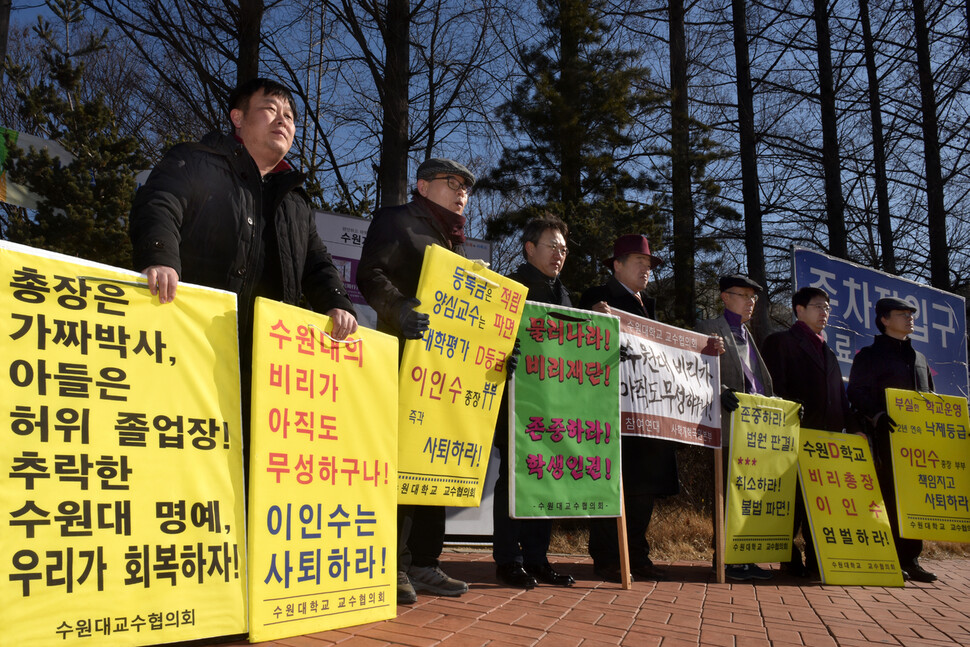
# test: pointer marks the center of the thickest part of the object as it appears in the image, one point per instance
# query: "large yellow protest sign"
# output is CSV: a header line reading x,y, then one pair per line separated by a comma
x,y
930,457
322,508
846,512
121,455
451,381
761,480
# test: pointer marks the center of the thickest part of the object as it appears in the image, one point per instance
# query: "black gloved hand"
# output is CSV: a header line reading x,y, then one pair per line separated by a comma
x,y
411,322
512,359
885,424
624,353
801,411
729,400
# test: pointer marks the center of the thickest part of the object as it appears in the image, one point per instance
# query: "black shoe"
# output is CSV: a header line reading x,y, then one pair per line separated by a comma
x,y
742,572
515,576
649,572
796,569
919,574
547,575
609,574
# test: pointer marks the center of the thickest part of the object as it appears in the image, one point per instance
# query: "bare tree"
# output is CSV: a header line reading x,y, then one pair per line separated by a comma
x,y
935,209
683,204
750,186
884,217
831,162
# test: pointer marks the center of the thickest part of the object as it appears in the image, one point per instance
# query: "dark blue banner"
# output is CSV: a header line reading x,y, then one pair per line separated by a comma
x,y
941,321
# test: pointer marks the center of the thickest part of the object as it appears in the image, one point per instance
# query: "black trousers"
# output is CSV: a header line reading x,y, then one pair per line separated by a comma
x,y
421,535
515,540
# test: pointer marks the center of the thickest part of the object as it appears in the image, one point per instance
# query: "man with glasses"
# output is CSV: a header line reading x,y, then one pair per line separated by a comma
x,y
519,546
890,362
390,266
805,370
742,370
649,464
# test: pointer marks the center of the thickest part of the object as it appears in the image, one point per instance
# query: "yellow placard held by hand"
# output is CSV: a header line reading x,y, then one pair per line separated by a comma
x,y
931,454
761,480
846,511
451,381
322,510
123,487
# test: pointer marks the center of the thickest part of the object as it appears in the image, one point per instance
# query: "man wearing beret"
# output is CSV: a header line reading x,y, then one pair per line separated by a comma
x,y
649,464
742,370
390,266
890,362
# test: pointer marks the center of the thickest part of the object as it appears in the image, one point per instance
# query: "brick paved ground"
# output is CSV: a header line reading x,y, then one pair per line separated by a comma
x,y
688,609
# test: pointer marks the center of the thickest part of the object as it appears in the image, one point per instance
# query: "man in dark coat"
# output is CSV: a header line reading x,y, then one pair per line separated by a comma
x,y
649,464
742,370
890,362
231,213
519,546
390,266
805,370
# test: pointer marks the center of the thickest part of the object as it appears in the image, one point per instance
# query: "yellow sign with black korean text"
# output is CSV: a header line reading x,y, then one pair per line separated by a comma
x,y
761,480
931,453
121,455
451,381
323,462
846,511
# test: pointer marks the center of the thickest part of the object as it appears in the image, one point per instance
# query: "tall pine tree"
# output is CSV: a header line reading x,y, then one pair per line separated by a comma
x,y
83,210
571,117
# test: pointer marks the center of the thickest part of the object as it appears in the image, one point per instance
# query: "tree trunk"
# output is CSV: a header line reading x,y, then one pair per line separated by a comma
x,y
935,209
682,202
883,218
4,26
250,28
571,159
831,163
750,187
393,172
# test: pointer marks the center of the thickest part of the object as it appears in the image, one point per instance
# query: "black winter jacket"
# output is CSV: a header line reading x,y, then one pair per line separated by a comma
x,y
799,373
649,464
541,288
887,363
202,213
618,297
391,259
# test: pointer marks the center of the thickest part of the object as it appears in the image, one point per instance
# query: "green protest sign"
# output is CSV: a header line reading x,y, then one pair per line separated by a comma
x,y
564,433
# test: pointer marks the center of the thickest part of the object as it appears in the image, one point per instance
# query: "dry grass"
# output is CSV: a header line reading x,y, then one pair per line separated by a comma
x,y
681,525
676,533
679,532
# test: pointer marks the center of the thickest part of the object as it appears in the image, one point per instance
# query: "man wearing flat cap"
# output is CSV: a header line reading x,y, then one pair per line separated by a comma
x,y
742,371
890,362
649,464
390,266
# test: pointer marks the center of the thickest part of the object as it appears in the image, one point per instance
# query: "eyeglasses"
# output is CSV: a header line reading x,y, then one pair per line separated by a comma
x,y
556,249
824,307
454,183
752,297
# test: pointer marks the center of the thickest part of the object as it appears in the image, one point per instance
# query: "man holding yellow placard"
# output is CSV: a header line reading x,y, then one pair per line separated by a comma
x,y
890,362
742,370
229,212
390,267
805,370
